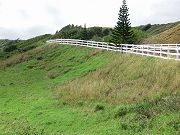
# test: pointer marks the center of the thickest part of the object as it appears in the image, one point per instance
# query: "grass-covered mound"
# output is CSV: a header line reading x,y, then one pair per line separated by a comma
x,y
56,89
170,36
27,103
127,79
12,47
141,93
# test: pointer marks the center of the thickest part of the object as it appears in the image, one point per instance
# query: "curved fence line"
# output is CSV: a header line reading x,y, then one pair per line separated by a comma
x,y
165,51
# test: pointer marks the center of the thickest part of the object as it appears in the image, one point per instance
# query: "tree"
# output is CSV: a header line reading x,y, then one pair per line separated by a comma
x,y
122,33
84,35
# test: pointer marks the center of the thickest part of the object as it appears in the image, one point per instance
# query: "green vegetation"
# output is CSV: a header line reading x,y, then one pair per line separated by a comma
x,y
56,89
170,36
122,33
27,102
78,32
157,28
11,47
139,36
140,33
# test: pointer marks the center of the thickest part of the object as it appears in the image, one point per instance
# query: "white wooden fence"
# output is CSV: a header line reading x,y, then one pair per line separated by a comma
x,y
165,51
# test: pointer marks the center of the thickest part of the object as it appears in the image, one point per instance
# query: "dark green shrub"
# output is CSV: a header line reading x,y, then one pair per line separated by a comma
x,y
175,125
120,112
124,126
99,107
27,48
10,48
139,35
146,27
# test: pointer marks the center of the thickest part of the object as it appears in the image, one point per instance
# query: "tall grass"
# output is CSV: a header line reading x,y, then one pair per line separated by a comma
x,y
127,79
28,104
170,36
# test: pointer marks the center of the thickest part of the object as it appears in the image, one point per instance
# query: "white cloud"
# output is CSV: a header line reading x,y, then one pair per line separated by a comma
x,y
27,18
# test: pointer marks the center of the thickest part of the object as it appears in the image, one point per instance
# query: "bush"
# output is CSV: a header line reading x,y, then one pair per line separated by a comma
x,y
146,27
96,38
10,48
107,38
120,112
99,107
139,35
27,48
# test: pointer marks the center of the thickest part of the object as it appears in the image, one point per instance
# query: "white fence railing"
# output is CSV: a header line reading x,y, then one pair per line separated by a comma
x,y
165,51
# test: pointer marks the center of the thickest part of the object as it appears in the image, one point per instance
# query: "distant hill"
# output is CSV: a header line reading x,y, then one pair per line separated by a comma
x,y
170,36
157,28
11,47
72,31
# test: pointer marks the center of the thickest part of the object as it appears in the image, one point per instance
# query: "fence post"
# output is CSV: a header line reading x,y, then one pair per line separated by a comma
x,y
126,48
137,48
142,51
76,43
154,50
121,48
177,52
147,50
161,51
168,52
132,48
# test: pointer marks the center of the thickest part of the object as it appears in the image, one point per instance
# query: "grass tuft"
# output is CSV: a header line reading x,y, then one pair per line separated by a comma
x,y
99,107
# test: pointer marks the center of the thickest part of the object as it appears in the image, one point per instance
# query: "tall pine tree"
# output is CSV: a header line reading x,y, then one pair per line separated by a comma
x,y
84,35
122,33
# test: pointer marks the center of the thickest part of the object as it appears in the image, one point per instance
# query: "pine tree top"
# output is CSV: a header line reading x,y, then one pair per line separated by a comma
x,y
122,32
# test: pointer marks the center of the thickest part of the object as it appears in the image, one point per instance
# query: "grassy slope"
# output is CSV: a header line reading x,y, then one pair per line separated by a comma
x,y
145,92
128,79
159,28
171,36
22,45
91,98
26,100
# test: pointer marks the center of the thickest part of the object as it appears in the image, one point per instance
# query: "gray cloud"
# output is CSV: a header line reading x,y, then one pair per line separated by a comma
x,y
24,14
55,16
8,33
166,11
28,18
23,34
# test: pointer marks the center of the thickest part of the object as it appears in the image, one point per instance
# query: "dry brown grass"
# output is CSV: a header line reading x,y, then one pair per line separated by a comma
x,y
127,79
171,36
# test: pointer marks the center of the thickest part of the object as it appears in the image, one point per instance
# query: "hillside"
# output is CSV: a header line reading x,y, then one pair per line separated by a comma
x,y
170,36
104,34
27,79
11,47
58,89
154,29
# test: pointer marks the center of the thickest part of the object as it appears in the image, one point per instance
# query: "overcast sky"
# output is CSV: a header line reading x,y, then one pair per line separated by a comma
x,y
28,18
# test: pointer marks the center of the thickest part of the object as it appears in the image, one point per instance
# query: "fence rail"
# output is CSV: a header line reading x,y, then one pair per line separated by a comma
x,y
165,51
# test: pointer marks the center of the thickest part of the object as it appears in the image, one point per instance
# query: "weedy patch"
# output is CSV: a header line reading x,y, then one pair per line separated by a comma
x,y
99,107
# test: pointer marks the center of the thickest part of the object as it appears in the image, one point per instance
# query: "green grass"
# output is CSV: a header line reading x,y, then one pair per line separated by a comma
x,y
30,100
27,102
158,28
20,46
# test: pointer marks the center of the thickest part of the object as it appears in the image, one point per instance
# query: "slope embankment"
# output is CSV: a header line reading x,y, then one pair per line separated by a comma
x,y
61,89
170,36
